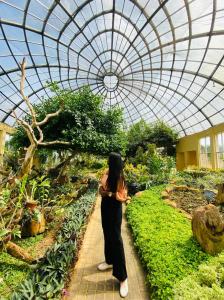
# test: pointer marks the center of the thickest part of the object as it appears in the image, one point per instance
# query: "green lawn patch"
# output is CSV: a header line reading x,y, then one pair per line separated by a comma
x,y
164,240
12,270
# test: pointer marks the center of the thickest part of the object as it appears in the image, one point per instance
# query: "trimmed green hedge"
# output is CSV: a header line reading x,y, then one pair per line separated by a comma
x,y
164,239
48,279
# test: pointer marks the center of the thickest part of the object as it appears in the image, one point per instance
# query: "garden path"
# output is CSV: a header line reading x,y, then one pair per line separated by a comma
x,y
87,283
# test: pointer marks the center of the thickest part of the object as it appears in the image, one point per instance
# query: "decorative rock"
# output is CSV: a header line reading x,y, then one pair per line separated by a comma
x,y
170,203
191,189
209,195
208,228
220,196
180,188
138,194
164,195
169,189
133,188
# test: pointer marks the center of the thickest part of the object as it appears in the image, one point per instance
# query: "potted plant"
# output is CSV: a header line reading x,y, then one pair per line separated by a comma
x,y
33,220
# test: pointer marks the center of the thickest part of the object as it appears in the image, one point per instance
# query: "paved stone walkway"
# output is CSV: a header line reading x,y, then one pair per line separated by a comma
x,y
88,283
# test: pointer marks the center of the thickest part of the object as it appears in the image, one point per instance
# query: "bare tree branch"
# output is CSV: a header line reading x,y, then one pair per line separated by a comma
x,y
55,143
27,127
48,116
25,98
41,135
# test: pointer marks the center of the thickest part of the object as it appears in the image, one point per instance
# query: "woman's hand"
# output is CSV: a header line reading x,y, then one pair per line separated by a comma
x,y
104,193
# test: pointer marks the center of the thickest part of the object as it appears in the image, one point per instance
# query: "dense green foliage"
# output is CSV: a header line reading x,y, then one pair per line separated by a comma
x,y
206,283
164,239
83,123
149,168
141,134
48,279
137,174
137,135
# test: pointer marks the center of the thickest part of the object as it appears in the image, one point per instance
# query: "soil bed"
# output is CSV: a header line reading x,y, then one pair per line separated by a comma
x,y
187,200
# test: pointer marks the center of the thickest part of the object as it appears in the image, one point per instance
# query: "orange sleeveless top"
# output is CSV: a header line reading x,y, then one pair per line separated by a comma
x,y
120,195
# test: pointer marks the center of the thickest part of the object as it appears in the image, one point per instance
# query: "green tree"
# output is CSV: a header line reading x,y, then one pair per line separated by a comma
x,y
164,136
137,136
83,123
141,134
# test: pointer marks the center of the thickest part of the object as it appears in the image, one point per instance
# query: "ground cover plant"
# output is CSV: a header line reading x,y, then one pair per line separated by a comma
x,y
164,240
206,283
48,279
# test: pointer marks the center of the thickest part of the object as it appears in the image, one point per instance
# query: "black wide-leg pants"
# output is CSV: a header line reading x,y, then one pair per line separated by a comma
x,y
111,215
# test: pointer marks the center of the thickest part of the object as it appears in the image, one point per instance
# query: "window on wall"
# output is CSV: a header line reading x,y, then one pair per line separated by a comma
x,y
220,150
205,152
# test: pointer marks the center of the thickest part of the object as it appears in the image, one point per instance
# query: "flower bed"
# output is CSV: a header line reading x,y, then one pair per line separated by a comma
x,y
48,278
164,240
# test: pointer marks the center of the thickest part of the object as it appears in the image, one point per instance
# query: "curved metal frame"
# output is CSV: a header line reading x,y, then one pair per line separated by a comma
x,y
117,40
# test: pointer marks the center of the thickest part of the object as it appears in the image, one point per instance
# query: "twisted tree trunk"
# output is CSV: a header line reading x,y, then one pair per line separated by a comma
x,y
28,161
18,252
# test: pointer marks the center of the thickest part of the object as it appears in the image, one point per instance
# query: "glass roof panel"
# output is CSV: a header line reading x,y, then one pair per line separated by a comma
x,y
155,59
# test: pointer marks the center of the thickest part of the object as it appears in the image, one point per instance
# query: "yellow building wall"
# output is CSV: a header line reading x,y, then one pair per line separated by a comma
x,y
188,150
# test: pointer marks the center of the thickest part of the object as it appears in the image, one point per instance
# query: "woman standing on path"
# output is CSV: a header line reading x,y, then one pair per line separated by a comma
x,y
114,192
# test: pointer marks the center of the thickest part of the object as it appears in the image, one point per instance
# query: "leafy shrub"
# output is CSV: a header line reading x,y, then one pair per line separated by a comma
x,y
159,167
47,280
205,283
198,178
210,181
164,241
138,174
135,174
98,165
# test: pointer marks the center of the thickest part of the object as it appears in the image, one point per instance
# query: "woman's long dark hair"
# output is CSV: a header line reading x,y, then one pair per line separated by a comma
x,y
115,171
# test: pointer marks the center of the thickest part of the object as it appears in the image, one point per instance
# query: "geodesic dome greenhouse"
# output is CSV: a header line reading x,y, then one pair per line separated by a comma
x,y
111,149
